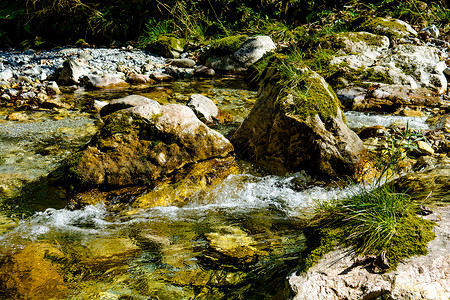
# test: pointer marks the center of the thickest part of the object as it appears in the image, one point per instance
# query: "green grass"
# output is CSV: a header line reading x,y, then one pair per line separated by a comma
x,y
374,220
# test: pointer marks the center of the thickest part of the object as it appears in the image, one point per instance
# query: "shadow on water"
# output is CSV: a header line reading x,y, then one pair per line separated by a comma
x,y
31,198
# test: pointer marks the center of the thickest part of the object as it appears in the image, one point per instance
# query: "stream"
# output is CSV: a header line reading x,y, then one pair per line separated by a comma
x,y
237,241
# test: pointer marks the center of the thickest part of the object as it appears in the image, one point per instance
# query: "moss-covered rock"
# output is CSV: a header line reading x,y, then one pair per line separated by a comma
x,y
297,124
167,45
392,28
141,146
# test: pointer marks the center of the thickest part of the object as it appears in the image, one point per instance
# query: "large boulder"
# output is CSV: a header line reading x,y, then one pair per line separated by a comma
x,y
71,72
297,124
142,145
249,52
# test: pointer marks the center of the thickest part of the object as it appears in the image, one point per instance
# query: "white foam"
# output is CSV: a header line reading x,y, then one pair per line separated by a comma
x,y
359,120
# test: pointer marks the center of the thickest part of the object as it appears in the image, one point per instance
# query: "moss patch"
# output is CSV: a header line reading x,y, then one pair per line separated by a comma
x,y
382,26
226,45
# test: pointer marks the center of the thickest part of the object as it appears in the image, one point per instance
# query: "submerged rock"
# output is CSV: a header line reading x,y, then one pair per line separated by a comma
x,y
298,128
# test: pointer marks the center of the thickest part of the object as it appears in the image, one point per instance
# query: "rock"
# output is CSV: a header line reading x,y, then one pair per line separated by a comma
x,y
53,103
158,76
416,66
356,49
4,84
337,276
108,250
203,108
300,129
204,71
102,82
432,30
433,185
21,117
411,113
233,242
52,88
443,123
6,75
141,146
98,105
387,98
249,52
182,62
167,46
188,182
392,28
134,78
34,272
423,148
125,102
28,95
71,72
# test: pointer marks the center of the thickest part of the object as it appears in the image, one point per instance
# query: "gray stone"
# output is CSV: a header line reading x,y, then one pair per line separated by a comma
x,y
101,82
249,52
432,30
182,62
72,71
203,108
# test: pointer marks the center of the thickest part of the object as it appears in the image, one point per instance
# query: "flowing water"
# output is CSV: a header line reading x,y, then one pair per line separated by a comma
x,y
238,241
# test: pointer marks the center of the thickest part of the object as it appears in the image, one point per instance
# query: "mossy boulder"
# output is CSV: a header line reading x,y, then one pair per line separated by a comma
x,y
142,145
392,28
297,124
249,52
167,46
433,185
227,45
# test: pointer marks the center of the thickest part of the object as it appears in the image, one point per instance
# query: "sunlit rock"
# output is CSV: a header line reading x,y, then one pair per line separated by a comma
x,y
71,72
142,145
249,52
299,128
102,82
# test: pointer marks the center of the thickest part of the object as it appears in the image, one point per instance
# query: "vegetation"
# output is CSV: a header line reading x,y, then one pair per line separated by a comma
x,y
376,220
101,21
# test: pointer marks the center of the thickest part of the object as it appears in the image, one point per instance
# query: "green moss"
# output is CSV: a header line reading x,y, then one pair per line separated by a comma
x,y
226,45
319,241
382,26
167,46
117,123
